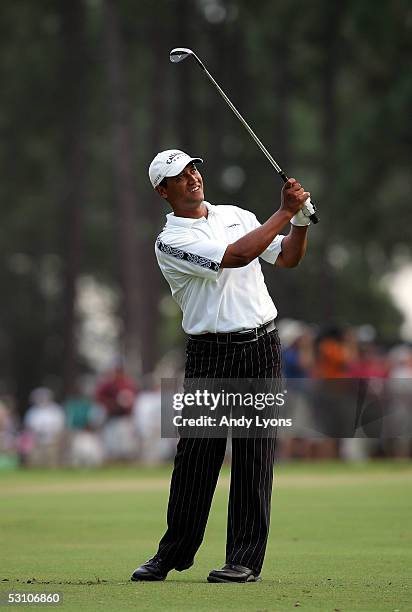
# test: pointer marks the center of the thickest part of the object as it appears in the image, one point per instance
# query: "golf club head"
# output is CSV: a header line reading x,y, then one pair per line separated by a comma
x,y
179,54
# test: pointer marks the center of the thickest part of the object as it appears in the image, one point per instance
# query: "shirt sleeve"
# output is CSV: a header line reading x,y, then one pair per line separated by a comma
x,y
274,249
187,254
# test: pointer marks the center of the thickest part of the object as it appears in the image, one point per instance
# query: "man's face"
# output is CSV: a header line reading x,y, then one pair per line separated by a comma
x,y
185,189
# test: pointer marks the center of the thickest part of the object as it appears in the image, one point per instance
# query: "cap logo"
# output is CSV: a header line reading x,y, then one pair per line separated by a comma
x,y
172,156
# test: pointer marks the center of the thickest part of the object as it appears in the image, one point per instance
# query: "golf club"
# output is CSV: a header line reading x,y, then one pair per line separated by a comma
x,y
181,53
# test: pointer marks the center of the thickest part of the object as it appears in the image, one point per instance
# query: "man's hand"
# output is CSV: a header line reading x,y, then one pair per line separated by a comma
x,y
293,197
301,219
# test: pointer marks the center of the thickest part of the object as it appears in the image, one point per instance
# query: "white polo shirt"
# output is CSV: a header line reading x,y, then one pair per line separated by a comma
x,y
214,299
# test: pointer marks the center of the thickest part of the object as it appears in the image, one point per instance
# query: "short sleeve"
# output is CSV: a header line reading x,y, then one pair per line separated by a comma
x,y
187,254
274,249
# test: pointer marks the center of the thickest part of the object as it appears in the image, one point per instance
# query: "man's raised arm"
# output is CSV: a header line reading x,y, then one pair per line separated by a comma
x,y
250,246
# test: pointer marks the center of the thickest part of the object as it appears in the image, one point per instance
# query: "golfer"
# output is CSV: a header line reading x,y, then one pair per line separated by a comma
x,y
209,256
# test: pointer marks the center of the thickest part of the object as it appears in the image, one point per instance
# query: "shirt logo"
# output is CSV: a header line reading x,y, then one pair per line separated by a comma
x,y
233,225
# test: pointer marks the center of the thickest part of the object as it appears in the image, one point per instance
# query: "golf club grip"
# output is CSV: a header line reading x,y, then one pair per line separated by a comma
x,y
314,218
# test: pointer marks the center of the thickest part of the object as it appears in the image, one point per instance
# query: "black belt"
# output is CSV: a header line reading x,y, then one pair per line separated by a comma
x,y
248,335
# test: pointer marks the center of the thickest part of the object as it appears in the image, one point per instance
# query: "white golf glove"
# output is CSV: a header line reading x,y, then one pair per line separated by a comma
x,y
302,216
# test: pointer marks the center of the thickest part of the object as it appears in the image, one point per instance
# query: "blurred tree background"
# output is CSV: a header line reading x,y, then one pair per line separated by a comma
x,y
89,96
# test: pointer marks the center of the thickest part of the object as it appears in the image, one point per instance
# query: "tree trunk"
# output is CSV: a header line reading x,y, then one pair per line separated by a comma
x,y
74,100
152,212
130,262
186,109
332,18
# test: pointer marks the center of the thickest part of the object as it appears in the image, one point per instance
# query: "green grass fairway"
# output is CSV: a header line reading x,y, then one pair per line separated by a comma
x,y
340,540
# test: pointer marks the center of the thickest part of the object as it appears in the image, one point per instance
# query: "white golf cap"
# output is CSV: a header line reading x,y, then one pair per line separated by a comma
x,y
169,163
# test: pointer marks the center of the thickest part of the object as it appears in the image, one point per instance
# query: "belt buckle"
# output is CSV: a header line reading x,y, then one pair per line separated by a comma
x,y
251,335
223,338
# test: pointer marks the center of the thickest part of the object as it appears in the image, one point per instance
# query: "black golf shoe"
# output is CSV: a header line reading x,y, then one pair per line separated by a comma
x,y
152,570
233,573
155,570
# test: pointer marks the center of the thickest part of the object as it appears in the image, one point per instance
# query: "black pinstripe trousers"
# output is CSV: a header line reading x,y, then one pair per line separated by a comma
x,y
198,462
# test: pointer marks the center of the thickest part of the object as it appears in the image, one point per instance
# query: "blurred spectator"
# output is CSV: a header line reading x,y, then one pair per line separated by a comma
x,y
44,423
84,419
297,360
334,349
369,363
116,393
147,421
297,344
82,413
370,369
400,362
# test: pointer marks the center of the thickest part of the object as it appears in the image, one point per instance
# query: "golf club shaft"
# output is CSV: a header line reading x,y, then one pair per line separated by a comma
x,y
314,218
246,126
